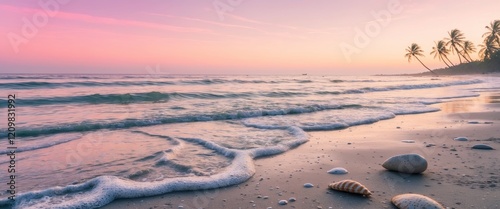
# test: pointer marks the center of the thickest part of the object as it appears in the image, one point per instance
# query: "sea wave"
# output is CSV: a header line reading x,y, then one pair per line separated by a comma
x,y
49,85
104,83
45,143
102,190
152,97
128,123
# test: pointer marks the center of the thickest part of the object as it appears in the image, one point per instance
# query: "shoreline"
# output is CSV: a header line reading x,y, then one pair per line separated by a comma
x,y
425,74
464,178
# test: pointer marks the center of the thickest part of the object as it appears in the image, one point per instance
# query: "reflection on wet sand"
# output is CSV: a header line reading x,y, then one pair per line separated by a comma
x,y
495,98
475,104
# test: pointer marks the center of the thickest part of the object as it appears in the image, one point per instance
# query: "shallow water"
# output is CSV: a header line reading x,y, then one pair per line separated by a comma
x,y
149,135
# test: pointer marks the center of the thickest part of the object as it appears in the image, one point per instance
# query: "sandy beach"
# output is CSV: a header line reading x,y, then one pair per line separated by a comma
x,y
229,104
457,176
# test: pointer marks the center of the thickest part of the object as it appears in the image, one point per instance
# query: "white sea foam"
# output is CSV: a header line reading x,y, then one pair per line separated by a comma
x,y
264,116
100,191
324,120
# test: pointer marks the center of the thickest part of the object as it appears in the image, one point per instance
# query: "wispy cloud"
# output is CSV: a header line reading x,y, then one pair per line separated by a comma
x,y
263,31
288,27
108,20
205,21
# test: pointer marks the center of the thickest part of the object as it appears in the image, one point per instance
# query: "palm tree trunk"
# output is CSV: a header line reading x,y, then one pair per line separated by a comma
x,y
463,55
444,61
425,66
470,58
449,60
458,52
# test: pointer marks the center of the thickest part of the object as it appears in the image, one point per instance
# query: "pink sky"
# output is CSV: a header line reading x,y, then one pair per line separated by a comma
x,y
237,37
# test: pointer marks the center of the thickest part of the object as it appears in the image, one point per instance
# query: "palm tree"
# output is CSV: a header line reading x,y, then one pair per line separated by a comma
x,y
415,51
440,51
468,48
455,40
493,32
491,41
488,47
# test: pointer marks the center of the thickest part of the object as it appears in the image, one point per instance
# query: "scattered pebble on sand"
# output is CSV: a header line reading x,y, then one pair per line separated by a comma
x,y
482,146
406,163
462,139
338,170
308,185
283,202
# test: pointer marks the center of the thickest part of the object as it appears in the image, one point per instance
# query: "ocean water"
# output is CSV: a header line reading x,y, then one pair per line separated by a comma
x,y
85,140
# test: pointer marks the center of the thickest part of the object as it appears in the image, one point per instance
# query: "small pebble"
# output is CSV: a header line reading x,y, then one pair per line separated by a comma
x,y
292,199
462,139
482,146
283,202
308,185
338,170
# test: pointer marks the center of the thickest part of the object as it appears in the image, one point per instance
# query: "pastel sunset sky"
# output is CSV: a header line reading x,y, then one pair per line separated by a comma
x,y
231,36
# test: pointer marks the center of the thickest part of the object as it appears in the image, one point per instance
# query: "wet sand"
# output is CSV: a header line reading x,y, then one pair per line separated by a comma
x,y
457,176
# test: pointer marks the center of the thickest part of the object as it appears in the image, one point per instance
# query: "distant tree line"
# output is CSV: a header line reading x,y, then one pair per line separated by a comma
x,y
456,43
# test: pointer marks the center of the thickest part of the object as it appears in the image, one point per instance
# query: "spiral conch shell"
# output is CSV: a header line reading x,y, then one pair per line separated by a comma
x,y
350,186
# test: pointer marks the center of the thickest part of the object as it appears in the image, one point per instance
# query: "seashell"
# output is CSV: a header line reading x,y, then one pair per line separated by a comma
x,y
462,139
350,186
414,201
308,185
482,146
408,141
406,163
338,170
